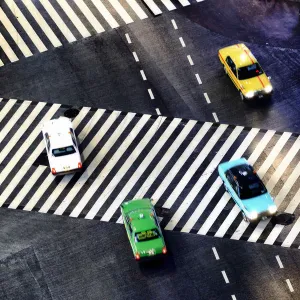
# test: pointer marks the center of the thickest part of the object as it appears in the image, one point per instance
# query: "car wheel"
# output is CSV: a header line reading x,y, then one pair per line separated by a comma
x,y
242,96
225,70
245,218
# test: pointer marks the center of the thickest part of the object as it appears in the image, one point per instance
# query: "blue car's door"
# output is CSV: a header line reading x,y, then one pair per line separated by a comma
x,y
233,188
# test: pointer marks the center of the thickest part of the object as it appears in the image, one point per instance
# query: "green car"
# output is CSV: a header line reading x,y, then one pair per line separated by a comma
x,y
143,229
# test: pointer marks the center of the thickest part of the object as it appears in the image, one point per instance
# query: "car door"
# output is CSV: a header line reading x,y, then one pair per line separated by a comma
x,y
233,73
232,187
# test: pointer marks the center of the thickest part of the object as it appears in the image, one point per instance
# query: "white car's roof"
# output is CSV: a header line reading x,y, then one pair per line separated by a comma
x,y
58,130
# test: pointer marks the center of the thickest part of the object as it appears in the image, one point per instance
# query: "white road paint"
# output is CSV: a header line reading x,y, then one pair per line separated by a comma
x,y
7,107
7,49
151,94
168,4
279,261
153,7
232,296
198,78
174,24
135,56
190,60
225,276
143,75
184,2
157,111
207,98
215,117
215,253
121,11
1,63
289,285
128,38
137,9
292,234
182,42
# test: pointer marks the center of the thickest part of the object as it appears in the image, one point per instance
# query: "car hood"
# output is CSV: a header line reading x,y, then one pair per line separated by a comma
x,y
259,204
143,248
256,83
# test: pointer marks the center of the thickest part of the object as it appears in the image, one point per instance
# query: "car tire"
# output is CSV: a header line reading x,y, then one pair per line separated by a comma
x,y
242,96
245,217
225,70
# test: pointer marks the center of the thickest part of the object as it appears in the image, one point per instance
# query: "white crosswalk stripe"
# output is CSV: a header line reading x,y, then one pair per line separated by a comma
x,y
129,156
74,19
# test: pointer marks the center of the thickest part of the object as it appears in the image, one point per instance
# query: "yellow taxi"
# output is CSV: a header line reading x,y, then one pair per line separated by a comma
x,y
245,72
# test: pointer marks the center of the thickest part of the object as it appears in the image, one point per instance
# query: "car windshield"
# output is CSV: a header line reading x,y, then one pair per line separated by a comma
x,y
249,71
252,189
63,151
147,235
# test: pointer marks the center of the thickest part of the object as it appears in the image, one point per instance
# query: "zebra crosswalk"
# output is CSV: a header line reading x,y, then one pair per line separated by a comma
x,y
28,27
128,155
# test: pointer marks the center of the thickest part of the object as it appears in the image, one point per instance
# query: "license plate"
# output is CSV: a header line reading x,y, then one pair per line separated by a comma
x,y
66,168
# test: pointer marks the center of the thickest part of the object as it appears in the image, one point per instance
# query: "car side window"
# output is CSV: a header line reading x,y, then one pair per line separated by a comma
x,y
73,137
47,141
128,223
230,178
231,65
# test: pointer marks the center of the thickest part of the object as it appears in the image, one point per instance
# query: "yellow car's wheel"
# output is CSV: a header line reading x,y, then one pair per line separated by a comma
x,y
242,96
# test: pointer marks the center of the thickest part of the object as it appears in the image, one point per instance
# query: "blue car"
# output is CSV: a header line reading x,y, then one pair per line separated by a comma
x,y
247,190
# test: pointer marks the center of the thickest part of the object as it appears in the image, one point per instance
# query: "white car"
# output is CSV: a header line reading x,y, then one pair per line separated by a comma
x,y
61,146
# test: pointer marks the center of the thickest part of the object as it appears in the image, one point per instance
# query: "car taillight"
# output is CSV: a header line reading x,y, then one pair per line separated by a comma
x,y
137,256
53,171
164,250
79,165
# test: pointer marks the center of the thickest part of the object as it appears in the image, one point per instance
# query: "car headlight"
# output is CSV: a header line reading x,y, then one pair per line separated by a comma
x,y
272,209
249,94
268,89
252,215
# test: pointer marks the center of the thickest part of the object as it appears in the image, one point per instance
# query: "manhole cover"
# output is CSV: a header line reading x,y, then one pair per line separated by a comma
x,y
71,113
283,219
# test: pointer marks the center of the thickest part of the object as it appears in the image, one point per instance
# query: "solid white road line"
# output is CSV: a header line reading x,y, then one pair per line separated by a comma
x,y
289,285
194,166
121,11
181,161
19,133
198,78
225,276
184,2
66,179
128,38
12,121
252,159
109,166
165,159
157,111
153,7
174,24
105,13
206,98
42,23
190,60
214,188
14,34
7,107
215,253
135,56
182,42
93,165
74,18
151,94
211,168
58,21
261,172
89,16
26,25
143,75
26,166
141,168
279,261
27,187
137,9
215,117
7,49
168,4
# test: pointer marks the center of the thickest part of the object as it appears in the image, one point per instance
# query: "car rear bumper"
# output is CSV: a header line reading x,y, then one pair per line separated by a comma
x,y
67,172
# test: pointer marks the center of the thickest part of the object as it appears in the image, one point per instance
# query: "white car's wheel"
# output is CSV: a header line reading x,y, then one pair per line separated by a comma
x,y
242,96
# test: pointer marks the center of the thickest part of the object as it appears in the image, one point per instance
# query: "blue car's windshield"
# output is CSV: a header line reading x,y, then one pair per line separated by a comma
x,y
252,189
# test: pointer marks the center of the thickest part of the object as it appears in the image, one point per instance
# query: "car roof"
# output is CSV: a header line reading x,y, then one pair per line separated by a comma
x,y
141,220
244,174
242,56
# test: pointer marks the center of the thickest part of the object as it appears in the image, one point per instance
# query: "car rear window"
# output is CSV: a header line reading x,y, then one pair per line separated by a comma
x,y
249,71
63,151
147,235
252,189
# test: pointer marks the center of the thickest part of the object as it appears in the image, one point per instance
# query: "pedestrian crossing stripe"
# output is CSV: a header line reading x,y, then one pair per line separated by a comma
x,y
28,27
128,155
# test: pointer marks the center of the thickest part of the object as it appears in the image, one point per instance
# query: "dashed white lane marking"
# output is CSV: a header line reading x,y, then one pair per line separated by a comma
x,y
207,98
135,56
190,60
225,276
215,253
215,117
289,285
158,111
232,296
198,78
151,94
143,75
279,261
128,38
174,24
182,42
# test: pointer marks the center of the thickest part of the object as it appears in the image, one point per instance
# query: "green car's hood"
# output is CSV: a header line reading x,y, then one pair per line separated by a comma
x,y
148,248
